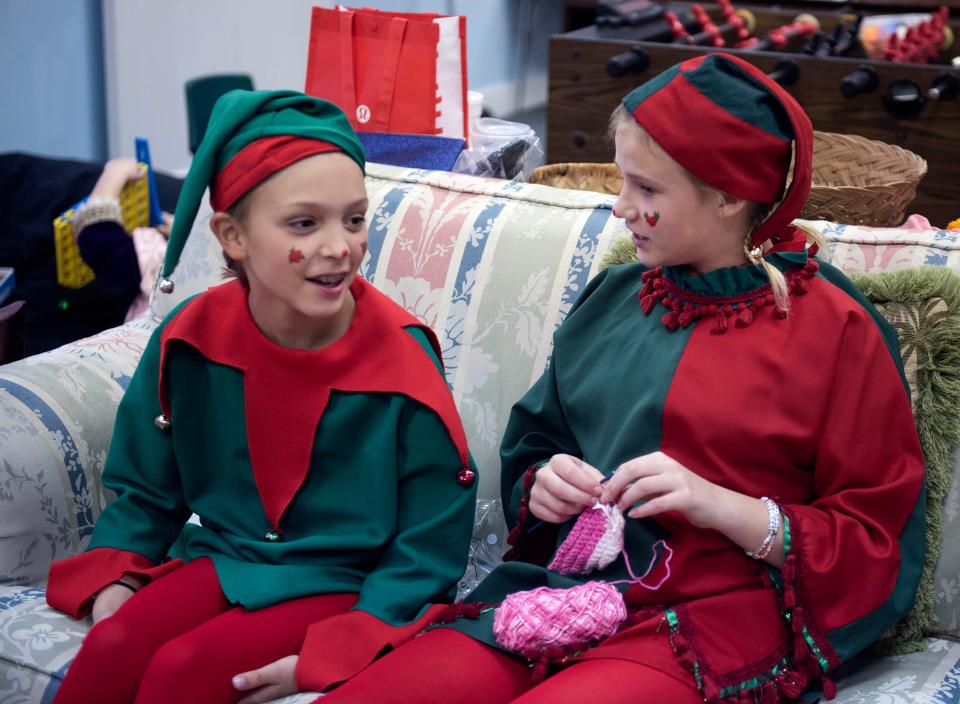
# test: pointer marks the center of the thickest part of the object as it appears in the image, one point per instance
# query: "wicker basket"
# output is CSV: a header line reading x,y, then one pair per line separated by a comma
x,y
602,178
857,181
861,181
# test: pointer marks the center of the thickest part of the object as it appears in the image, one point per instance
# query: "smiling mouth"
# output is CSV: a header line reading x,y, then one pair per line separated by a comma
x,y
328,280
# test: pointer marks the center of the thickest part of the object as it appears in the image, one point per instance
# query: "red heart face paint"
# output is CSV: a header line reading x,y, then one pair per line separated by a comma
x,y
294,256
653,219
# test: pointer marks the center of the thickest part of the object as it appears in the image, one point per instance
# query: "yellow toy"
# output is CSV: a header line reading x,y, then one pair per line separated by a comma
x,y
954,224
72,271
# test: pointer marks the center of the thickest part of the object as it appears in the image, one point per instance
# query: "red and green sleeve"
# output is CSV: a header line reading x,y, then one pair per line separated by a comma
x,y
854,553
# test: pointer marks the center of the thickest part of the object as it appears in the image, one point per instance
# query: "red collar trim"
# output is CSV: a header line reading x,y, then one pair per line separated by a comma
x,y
280,434
684,307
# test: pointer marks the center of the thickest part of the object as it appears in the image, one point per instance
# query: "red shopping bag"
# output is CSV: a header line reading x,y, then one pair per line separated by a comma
x,y
391,72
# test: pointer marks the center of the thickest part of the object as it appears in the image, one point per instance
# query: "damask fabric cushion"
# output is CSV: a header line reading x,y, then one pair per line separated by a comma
x,y
57,410
854,248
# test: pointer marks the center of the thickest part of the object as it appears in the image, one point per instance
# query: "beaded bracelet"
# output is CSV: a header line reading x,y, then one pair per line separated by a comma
x,y
773,527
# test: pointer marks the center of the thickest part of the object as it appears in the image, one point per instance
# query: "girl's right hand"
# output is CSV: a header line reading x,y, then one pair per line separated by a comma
x,y
108,600
563,488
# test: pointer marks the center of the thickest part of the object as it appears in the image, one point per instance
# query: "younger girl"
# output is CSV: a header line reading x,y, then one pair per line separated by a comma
x,y
300,414
747,407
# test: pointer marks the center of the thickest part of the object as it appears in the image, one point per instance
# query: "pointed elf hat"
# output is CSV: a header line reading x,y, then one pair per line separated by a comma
x,y
252,135
740,131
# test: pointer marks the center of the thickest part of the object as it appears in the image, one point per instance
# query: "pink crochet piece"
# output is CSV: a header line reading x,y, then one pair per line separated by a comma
x,y
595,541
545,617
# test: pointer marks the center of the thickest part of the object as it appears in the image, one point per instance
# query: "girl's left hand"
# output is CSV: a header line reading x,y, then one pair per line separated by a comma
x,y
664,485
272,681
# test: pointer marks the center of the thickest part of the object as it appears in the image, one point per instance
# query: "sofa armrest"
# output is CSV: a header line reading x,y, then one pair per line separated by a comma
x,y
57,411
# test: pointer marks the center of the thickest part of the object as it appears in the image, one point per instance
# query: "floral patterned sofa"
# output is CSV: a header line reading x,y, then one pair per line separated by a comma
x,y
493,266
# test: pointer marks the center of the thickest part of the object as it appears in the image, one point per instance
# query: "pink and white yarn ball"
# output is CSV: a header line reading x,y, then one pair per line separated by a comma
x,y
595,541
545,617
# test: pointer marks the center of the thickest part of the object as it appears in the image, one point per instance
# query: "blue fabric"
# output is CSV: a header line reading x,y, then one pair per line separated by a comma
x,y
417,151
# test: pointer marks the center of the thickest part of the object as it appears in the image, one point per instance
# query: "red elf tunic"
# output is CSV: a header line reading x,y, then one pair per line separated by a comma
x,y
343,469
810,409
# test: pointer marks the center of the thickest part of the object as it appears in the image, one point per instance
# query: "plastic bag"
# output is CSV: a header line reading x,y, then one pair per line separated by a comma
x,y
487,546
501,149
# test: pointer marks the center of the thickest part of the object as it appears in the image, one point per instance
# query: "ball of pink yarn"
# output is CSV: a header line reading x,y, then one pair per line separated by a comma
x,y
545,617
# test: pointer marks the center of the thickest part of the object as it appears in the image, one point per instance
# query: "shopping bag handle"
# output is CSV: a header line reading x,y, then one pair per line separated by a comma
x,y
388,58
348,84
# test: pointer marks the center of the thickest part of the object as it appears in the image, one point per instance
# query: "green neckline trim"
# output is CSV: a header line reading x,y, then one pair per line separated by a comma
x,y
733,280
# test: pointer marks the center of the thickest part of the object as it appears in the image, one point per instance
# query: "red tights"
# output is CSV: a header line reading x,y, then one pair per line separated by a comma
x,y
179,640
447,667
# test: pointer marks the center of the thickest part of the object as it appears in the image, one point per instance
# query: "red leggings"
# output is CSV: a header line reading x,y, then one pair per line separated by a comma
x,y
447,667
179,640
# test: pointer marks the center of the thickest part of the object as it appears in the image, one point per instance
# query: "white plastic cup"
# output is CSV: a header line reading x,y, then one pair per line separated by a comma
x,y
474,108
490,130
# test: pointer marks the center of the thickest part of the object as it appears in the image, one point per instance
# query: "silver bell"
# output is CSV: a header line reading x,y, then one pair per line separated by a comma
x,y
165,286
162,422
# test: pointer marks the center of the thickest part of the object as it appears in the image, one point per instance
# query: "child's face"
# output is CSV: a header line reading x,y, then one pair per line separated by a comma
x,y
674,221
301,239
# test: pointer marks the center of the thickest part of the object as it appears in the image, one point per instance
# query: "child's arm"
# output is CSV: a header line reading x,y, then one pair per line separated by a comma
x,y
104,245
135,531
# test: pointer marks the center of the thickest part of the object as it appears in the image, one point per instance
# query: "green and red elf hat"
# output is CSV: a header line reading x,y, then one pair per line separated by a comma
x,y
252,135
740,131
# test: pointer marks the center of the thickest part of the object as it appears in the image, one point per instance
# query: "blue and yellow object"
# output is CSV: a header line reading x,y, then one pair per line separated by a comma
x,y
139,207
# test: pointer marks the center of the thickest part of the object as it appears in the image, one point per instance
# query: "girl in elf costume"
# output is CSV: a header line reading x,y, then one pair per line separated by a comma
x,y
303,417
716,488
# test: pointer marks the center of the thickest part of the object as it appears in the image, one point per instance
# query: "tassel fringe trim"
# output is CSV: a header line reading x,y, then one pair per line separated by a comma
x,y
685,308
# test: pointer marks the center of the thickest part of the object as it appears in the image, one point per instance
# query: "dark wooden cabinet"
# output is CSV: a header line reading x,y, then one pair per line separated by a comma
x,y
582,96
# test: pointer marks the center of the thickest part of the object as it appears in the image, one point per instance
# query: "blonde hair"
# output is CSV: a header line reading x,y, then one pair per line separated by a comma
x,y
757,213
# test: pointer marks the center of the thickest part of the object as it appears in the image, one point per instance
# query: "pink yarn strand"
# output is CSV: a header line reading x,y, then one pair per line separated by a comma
x,y
668,551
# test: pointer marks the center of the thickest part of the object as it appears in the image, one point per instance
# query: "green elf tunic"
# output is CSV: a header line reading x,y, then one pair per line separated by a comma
x,y
343,469
809,409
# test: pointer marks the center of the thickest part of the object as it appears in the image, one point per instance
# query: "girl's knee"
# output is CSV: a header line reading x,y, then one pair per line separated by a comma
x,y
110,638
178,660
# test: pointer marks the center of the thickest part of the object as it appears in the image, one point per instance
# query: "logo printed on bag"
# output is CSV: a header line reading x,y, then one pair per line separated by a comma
x,y
363,114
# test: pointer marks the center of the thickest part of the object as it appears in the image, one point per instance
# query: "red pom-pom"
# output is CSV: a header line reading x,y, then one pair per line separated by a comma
x,y
647,304
768,693
745,317
829,687
670,321
539,670
790,690
720,322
